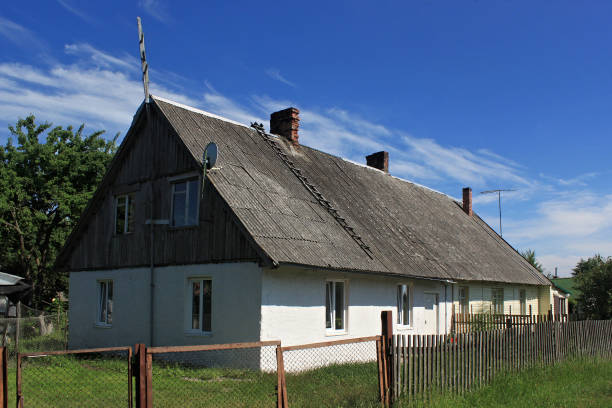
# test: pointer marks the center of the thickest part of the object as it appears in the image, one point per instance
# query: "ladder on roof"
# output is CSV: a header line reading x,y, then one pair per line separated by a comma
x,y
326,204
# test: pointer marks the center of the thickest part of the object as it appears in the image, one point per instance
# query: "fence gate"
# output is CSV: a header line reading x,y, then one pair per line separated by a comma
x,y
223,375
99,377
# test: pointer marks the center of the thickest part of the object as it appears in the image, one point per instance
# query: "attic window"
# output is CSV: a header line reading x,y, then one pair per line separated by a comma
x,y
185,203
124,214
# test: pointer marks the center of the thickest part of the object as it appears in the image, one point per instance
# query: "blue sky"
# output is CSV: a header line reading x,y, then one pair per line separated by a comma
x,y
495,94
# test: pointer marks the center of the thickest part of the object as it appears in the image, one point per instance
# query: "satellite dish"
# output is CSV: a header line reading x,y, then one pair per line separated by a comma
x,y
210,155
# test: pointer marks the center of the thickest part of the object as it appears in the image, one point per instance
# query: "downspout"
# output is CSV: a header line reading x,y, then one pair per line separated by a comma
x,y
152,275
445,308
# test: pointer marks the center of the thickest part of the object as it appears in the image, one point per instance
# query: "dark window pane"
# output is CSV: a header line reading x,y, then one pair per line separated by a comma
x,y
120,216
109,302
339,295
178,207
328,305
130,213
405,305
102,318
207,306
195,305
192,205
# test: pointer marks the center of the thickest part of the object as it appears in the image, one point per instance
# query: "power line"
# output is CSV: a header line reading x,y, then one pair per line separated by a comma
x,y
498,191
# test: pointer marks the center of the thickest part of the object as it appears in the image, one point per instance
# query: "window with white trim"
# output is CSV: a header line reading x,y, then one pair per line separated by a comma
x,y
105,303
335,306
200,305
497,300
464,300
403,305
523,301
185,202
124,214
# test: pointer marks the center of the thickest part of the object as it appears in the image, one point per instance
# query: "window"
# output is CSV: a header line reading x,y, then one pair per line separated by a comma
x,y
335,306
497,300
105,302
124,214
200,305
403,305
185,200
523,300
464,300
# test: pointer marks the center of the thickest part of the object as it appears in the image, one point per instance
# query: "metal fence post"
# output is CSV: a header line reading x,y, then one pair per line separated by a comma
x,y
387,335
3,380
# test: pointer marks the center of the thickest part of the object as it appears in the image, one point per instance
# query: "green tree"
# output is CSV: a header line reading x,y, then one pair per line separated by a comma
x,y
593,279
530,256
46,180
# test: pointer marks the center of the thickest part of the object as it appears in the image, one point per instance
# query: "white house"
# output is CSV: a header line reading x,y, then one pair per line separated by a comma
x,y
277,241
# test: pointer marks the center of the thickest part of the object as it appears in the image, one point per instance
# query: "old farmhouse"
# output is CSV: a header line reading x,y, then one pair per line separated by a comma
x,y
275,241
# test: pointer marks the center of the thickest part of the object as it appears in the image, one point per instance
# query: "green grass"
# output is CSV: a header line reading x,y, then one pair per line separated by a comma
x,y
68,381
573,383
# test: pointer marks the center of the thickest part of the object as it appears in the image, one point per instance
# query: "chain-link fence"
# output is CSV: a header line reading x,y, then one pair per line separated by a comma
x,y
230,375
79,378
33,331
333,374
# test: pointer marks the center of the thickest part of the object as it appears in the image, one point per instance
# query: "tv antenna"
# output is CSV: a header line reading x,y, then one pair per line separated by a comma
x,y
143,60
498,191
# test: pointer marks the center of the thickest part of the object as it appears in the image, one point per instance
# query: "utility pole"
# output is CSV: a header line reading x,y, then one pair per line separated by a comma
x,y
498,191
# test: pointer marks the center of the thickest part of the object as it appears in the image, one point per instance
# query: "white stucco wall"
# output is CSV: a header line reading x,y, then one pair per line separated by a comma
x,y
236,294
293,304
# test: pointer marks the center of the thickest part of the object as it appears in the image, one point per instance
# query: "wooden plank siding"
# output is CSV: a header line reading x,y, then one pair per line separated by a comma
x,y
155,155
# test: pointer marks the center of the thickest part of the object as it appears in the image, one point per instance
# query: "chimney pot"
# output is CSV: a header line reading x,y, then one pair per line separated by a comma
x,y
285,123
467,201
379,160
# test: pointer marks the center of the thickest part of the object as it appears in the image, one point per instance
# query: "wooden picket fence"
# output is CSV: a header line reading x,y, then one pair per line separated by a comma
x,y
474,322
426,364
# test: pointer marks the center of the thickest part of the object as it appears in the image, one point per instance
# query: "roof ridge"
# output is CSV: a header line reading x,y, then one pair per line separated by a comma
x,y
200,111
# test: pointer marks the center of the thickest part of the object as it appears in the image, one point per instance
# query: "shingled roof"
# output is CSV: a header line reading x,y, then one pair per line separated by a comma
x,y
410,230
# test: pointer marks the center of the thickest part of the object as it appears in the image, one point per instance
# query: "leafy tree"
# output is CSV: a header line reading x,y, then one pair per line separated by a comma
x,y
46,181
530,256
593,279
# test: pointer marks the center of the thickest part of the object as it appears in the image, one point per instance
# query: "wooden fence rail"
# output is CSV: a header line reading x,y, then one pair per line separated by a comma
x,y
475,322
426,364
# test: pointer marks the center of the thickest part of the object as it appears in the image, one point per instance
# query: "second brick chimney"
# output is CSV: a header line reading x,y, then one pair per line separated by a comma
x,y
467,201
379,160
285,123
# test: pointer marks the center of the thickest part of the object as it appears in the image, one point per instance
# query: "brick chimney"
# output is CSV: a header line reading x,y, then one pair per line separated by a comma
x,y
285,123
379,160
467,201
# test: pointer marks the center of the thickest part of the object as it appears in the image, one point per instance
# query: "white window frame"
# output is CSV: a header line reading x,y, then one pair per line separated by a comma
x,y
129,199
187,179
495,311
189,306
467,297
99,321
400,310
333,330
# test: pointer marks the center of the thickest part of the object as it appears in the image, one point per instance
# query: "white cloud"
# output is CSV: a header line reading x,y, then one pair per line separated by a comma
x,y
18,34
275,74
99,89
70,8
156,9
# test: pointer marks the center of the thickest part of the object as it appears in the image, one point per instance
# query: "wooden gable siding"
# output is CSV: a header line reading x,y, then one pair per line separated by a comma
x,y
155,155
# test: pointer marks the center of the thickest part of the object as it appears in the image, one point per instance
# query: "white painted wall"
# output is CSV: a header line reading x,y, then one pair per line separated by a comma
x,y
293,304
480,297
236,294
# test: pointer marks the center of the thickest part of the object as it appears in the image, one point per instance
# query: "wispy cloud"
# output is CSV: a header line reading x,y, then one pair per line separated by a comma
x,y
98,88
156,9
71,9
18,34
275,74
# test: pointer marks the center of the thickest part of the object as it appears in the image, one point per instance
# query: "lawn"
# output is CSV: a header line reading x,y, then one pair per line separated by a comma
x,y
575,383
67,381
